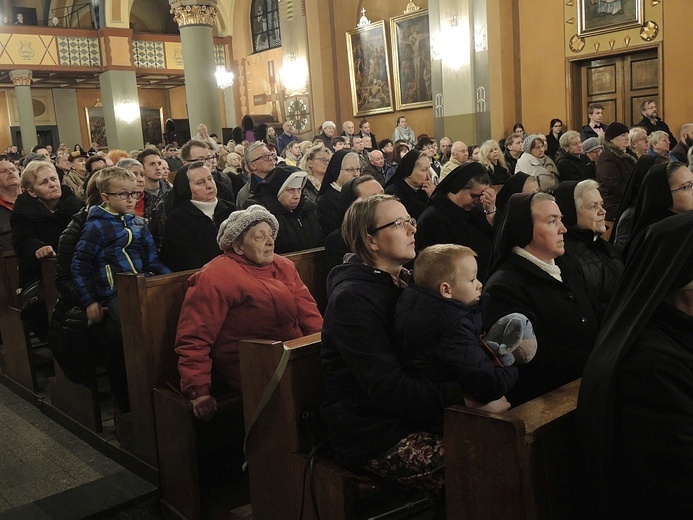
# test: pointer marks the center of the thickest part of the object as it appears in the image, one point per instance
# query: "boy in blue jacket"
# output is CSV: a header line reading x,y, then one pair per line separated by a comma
x,y
113,241
439,323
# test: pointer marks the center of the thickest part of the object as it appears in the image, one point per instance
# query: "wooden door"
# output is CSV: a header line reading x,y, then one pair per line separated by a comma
x,y
619,83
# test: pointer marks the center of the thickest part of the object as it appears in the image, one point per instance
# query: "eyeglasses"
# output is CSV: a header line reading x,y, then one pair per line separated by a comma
x,y
400,223
353,171
686,187
209,159
323,160
265,157
137,195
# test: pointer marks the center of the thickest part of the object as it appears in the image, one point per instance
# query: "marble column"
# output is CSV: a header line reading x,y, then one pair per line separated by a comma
x,y
196,20
121,109
21,79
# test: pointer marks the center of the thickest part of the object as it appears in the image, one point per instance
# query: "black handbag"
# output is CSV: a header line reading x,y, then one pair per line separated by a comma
x,y
32,300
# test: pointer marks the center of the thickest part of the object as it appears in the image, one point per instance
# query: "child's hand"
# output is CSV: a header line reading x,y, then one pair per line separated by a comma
x,y
95,312
498,406
45,252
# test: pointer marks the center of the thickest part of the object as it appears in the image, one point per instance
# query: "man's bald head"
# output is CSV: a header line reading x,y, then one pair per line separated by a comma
x,y
459,151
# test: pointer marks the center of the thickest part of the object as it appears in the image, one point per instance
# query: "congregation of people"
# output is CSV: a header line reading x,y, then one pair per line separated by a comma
x,y
433,245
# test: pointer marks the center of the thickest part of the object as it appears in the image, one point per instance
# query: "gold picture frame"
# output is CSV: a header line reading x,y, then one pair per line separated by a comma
x,y
603,16
152,125
369,70
411,60
96,125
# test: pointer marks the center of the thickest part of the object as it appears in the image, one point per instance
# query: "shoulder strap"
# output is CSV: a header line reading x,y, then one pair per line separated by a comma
x,y
269,391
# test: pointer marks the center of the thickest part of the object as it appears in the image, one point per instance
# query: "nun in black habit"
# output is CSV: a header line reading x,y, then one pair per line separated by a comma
x,y
635,407
412,183
461,211
328,197
552,298
595,259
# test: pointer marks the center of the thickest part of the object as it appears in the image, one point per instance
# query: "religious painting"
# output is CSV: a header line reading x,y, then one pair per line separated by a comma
x,y
601,16
152,125
97,126
411,60
369,70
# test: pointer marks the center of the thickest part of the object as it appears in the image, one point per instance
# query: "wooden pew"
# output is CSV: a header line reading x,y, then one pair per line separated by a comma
x,y
522,465
150,306
76,401
312,268
162,431
276,451
16,360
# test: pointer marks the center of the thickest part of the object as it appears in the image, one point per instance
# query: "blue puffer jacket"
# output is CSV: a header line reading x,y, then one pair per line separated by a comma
x,y
111,244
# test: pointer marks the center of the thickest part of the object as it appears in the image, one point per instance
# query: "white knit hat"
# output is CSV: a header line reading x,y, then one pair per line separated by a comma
x,y
239,221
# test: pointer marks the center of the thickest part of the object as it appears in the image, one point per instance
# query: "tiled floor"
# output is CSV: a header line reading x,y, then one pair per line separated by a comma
x,y
46,472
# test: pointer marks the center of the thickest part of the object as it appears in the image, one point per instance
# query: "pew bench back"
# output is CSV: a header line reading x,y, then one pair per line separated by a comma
x,y
522,465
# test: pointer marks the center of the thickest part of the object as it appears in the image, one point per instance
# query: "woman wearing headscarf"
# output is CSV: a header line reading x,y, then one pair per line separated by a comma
x,y
524,278
596,260
536,163
190,233
667,190
358,188
344,166
520,182
412,183
614,167
461,211
247,292
282,194
635,407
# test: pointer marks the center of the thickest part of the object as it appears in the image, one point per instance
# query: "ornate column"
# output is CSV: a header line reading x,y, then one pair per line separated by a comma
x,y
460,69
21,79
196,20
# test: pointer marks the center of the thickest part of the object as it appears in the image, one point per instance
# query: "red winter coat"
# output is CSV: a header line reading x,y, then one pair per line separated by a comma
x,y
232,299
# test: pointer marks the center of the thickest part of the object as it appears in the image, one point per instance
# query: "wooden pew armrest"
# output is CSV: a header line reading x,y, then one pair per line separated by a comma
x,y
535,415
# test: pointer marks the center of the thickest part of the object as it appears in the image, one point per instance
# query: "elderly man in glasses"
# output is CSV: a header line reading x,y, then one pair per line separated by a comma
x,y
194,151
10,188
259,162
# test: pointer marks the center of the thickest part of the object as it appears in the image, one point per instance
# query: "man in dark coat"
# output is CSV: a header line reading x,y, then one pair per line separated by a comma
x,y
680,151
651,122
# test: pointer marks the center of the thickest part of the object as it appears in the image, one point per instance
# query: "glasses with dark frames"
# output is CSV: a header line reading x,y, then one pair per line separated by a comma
x,y
137,195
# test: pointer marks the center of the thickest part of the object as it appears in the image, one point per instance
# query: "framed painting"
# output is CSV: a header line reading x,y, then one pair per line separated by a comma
x,y
97,126
152,125
601,16
411,60
369,70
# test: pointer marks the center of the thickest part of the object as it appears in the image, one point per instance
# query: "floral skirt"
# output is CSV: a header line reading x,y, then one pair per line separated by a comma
x,y
415,461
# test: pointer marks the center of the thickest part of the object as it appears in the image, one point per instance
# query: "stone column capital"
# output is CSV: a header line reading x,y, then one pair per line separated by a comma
x,y
194,12
21,78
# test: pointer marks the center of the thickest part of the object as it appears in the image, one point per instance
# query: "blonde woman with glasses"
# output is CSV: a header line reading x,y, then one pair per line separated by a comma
x,y
314,162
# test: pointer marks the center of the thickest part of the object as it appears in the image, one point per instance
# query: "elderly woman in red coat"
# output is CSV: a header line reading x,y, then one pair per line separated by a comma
x,y
248,292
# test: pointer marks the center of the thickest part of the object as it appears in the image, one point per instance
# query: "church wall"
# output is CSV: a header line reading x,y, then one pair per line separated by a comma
x,y
677,101
346,16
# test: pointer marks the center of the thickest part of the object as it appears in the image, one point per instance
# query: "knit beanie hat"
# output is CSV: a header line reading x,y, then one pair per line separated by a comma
x,y
614,130
590,144
239,221
32,157
527,143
